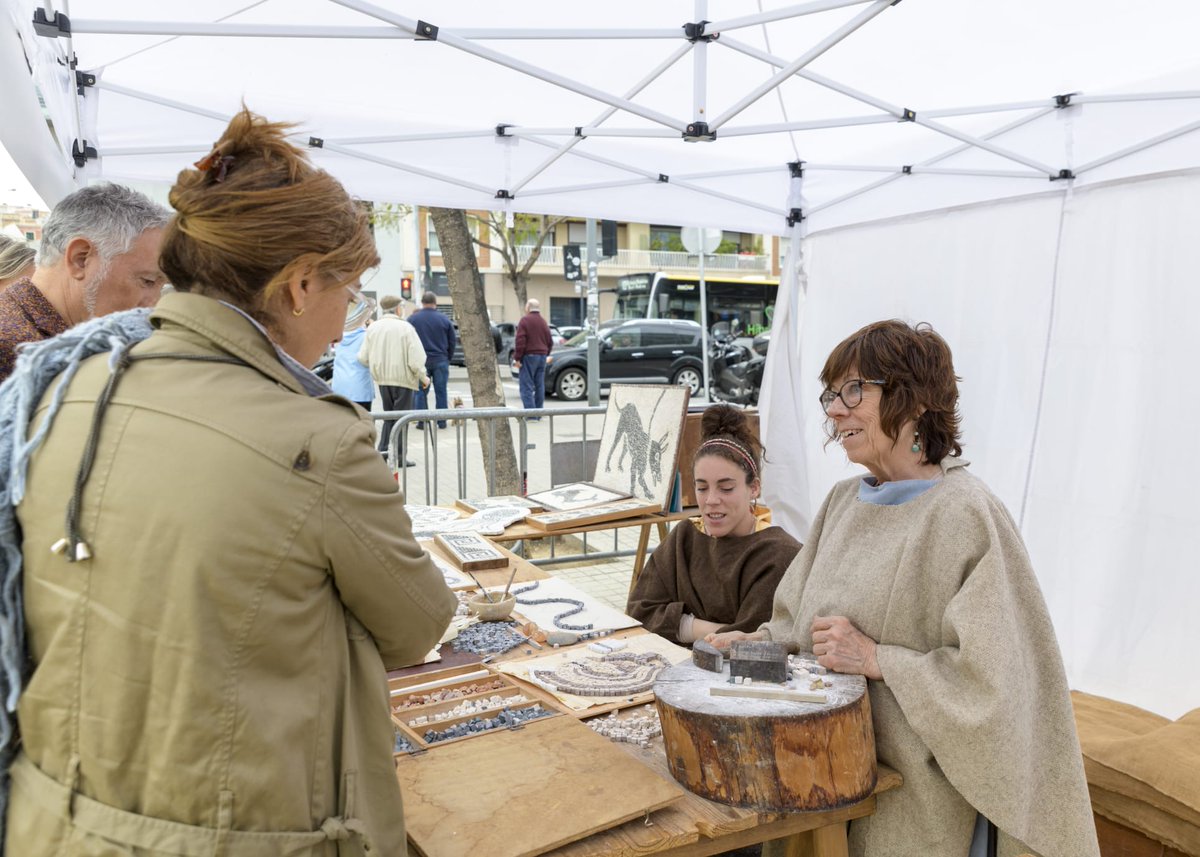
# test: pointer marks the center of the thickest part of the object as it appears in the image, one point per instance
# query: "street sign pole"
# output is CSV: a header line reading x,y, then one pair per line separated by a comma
x,y
593,315
702,241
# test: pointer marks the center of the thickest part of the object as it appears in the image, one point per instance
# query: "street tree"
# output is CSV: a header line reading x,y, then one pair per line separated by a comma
x,y
483,375
525,230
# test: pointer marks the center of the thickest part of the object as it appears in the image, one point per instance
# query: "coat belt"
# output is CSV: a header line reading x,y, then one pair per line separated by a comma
x,y
186,840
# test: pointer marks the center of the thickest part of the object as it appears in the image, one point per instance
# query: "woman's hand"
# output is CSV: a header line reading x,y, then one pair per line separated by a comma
x,y
841,647
722,641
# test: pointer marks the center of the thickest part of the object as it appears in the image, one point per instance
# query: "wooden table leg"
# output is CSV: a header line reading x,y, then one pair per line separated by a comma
x,y
639,558
828,841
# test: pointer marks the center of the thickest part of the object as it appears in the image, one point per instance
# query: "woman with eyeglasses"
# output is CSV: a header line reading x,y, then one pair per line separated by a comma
x,y
208,632
916,577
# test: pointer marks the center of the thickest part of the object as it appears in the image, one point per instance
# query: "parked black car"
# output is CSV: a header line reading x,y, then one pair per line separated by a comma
x,y
643,351
500,342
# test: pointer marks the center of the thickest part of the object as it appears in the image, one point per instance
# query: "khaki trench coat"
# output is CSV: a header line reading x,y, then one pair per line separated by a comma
x,y
211,681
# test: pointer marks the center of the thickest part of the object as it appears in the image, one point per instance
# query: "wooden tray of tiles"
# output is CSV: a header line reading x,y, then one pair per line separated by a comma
x,y
435,701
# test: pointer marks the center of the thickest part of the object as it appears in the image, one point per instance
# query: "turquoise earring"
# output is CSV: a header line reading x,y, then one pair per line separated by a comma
x,y
916,447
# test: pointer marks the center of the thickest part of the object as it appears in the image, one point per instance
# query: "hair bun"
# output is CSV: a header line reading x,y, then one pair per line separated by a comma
x,y
723,421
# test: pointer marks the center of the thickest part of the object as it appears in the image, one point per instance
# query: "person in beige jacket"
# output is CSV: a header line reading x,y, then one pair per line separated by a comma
x,y
914,575
209,634
393,352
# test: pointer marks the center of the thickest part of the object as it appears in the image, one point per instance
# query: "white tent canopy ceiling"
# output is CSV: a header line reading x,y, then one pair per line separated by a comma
x,y
540,108
1024,175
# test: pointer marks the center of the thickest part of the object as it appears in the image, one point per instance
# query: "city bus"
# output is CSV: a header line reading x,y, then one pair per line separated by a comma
x,y
747,305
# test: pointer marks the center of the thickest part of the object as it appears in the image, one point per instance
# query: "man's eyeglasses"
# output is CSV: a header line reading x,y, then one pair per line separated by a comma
x,y
851,393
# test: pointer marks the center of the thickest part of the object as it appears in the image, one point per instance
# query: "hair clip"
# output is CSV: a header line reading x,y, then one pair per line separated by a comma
x,y
214,160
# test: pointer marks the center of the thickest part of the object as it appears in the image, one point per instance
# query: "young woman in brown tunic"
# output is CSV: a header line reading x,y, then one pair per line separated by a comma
x,y
718,572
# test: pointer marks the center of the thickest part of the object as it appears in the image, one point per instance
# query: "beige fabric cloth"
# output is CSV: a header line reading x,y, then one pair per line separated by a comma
x,y
1143,770
216,670
393,352
974,709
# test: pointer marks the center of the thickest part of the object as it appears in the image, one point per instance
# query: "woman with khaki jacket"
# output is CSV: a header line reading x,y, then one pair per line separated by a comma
x,y
208,633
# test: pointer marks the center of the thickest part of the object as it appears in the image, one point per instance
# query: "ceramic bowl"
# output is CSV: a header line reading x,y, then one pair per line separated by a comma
x,y
491,611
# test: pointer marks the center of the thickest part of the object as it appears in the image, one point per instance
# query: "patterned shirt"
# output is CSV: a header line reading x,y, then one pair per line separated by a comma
x,y
25,316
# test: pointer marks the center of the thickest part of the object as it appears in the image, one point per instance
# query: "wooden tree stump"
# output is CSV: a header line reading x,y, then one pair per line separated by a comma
x,y
768,755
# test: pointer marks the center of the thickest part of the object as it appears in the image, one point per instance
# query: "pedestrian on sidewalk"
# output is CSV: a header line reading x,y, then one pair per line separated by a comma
x,y
392,351
529,355
437,337
352,379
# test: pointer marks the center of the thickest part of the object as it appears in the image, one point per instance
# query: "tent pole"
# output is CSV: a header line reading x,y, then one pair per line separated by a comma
x,y
102,26
808,56
466,46
1138,147
779,14
654,74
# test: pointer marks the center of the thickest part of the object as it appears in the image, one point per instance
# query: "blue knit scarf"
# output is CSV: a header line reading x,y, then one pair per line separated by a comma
x,y
38,365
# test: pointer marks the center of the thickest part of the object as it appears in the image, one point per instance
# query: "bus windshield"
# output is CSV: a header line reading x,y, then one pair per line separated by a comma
x,y
743,307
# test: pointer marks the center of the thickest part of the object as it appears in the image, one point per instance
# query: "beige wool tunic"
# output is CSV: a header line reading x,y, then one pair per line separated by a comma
x,y
973,709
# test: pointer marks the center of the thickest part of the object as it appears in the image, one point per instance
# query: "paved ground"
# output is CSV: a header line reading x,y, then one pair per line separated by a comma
x,y
447,460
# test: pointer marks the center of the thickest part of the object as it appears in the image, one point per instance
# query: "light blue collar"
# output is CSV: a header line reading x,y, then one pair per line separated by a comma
x,y
893,493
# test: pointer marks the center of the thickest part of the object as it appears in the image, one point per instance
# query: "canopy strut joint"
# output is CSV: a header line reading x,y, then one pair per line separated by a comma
x,y
502,130
794,216
52,28
316,142
84,79
1063,174
579,132
426,32
1064,100
82,152
698,132
906,169
695,33
504,194
908,115
796,168
663,178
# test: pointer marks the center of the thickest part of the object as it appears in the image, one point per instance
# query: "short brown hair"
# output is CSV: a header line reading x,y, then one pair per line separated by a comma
x,y
253,212
917,369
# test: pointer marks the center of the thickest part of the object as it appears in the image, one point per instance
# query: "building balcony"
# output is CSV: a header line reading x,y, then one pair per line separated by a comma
x,y
627,261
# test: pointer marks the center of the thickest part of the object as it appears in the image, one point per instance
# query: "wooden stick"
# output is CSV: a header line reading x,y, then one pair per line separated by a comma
x,y
486,594
510,582
758,691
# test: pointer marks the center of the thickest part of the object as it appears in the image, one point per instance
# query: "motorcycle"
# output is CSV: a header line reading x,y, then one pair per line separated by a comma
x,y
736,367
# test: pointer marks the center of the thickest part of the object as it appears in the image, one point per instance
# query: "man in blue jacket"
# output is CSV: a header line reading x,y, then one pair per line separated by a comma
x,y
437,336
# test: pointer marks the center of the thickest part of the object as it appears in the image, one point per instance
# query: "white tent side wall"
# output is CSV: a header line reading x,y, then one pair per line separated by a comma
x,y
1097,465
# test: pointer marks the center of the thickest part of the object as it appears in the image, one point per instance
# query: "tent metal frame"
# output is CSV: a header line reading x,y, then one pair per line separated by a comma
x,y
698,36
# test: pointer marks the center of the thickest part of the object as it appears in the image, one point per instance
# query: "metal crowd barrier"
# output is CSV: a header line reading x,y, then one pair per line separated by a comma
x,y
462,424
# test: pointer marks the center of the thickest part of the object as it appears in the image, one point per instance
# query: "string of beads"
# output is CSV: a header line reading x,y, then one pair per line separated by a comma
x,y
577,607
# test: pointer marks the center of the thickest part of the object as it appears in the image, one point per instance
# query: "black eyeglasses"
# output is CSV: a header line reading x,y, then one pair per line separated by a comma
x,y
851,393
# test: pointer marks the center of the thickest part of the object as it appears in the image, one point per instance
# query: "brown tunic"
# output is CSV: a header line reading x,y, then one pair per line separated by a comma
x,y
730,580
25,316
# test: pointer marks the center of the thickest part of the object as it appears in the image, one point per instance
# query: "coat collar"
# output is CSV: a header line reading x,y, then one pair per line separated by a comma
x,y
233,332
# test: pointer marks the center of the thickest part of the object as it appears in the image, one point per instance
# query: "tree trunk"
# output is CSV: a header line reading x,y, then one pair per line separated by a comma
x,y
466,290
520,284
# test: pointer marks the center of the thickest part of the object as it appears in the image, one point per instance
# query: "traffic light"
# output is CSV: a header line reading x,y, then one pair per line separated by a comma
x,y
572,263
608,238
406,288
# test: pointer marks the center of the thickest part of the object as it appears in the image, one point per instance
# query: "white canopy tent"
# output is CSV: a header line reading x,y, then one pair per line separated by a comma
x,y
1047,238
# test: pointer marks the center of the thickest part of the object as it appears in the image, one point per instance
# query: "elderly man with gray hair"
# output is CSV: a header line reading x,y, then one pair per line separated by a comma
x,y
99,254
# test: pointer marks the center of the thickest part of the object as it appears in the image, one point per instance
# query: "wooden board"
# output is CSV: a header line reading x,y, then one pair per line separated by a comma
x,y
766,754
470,551
553,521
478,504
577,495
523,792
